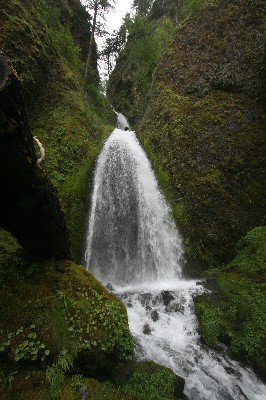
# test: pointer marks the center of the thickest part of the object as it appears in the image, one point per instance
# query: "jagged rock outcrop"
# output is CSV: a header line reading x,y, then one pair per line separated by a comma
x,y
29,206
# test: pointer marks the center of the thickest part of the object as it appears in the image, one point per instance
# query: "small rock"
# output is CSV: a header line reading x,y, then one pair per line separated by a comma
x,y
146,329
155,315
109,287
220,346
145,299
167,297
179,388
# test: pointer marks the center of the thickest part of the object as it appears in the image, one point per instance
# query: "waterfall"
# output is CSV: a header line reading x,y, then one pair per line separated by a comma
x,y
133,243
132,236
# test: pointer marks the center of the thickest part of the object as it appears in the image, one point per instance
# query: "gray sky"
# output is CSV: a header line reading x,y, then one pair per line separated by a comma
x,y
113,22
114,17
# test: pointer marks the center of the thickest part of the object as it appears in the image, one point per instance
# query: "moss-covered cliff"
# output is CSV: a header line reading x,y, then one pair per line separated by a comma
x,y
235,313
203,123
56,319
47,42
29,206
60,329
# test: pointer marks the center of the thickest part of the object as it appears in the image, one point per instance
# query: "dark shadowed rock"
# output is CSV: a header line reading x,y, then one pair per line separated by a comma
x,y
167,297
155,315
179,388
147,329
110,287
29,206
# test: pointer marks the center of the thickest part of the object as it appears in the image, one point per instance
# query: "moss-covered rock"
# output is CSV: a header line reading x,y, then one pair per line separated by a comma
x,y
156,381
148,380
205,127
29,206
31,385
48,42
57,318
235,314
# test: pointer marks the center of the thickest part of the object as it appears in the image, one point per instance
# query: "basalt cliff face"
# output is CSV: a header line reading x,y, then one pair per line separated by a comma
x,y
48,304
29,206
204,123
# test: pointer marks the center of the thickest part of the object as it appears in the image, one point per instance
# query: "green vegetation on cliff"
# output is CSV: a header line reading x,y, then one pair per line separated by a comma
x,y
56,319
132,77
203,127
48,42
202,123
236,314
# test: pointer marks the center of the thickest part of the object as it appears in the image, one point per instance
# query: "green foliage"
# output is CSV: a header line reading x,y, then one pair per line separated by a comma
x,y
189,7
92,311
55,374
237,315
61,311
150,381
210,320
61,36
251,255
29,349
145,45
142,6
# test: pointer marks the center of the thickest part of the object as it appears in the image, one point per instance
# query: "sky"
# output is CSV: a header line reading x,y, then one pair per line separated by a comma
x,y
113,22
114,17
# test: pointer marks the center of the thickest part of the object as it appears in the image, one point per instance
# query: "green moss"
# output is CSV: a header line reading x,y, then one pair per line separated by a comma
x,y
149,380
251,256
29,385
55,315
8,244
236,315
70,119
207,147
211,323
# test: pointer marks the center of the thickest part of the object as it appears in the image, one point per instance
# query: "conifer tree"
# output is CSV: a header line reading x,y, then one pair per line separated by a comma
x,y
142,6
99,8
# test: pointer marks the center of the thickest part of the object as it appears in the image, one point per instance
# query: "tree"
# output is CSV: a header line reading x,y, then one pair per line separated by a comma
x,y
114,44
142,6
99,8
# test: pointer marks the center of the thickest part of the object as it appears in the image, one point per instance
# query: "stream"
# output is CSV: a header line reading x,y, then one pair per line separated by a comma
x,y
133,244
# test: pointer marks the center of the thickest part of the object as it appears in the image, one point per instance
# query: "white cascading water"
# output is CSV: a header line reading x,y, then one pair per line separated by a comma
x,y
133,244
132,237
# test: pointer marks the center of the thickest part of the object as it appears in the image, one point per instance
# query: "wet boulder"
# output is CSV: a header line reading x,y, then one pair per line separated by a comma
x,y
155,315
167,297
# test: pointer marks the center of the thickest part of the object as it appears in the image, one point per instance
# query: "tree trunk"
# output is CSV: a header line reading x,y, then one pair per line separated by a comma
x,y
96,6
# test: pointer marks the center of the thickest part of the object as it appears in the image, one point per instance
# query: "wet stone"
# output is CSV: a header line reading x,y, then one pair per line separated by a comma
x,y
145,299
167,297
155,315
175,307
220,346
109,287
146,329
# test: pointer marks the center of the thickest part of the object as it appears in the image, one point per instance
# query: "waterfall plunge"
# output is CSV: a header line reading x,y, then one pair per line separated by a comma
x,y
132,237
133,243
